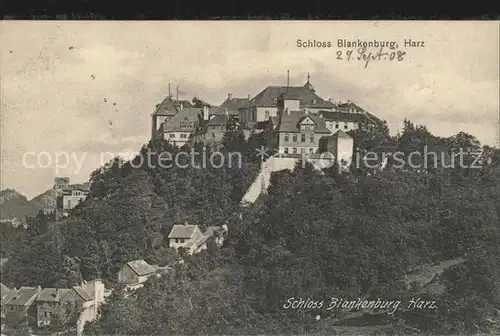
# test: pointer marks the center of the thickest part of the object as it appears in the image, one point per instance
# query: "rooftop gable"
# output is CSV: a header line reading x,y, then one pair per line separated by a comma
x,y
184,121
290,122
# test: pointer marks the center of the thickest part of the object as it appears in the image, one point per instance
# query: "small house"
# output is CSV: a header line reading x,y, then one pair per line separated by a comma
x,y
135,272
185,236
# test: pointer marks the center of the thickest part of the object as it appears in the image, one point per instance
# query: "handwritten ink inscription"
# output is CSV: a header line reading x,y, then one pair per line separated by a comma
x,y
364,55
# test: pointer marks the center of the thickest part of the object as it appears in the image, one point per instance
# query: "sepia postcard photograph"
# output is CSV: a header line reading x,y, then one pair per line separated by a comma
x,y
250,178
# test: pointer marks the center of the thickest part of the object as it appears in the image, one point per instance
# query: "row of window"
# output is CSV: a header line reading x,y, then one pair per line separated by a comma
x,y
307,127
302,138
295,150
337,125
180,240
183,135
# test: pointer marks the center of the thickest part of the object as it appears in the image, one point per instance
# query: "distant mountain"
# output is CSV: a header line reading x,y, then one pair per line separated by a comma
x,y
14,205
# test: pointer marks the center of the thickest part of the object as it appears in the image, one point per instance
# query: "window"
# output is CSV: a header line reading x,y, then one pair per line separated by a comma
x,y
213,135
345,126
267,114
337,125
302,150
171,135
311,150
69,203
302,138
287,137
314,101
294,138
275,100
285,150
294,150
183,135
311,138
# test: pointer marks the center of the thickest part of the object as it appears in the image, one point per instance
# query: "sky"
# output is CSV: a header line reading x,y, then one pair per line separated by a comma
x,y
87,89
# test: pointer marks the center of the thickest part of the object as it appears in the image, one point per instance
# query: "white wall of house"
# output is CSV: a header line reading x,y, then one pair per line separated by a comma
x,y
291,105
177,138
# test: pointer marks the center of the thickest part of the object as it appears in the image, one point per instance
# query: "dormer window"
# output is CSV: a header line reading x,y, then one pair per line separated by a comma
x,y
275,100
314,101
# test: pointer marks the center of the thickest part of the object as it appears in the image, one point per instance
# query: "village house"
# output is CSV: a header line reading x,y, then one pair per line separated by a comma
x,y
298,130
80,302
266,103
192,239
18,303
135,273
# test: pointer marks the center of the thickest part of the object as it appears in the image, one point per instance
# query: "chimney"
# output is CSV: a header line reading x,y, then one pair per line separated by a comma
x,y
205,112
229,96
330,99
288,111
249,97
182,106
226,111
306,111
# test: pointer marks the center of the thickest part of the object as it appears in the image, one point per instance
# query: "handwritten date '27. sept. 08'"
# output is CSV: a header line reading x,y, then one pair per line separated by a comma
x,y
363,54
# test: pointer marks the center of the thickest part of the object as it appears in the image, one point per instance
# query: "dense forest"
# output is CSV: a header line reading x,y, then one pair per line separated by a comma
x,y
315,234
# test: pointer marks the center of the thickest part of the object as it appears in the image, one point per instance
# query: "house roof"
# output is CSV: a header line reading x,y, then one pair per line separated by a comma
x,y
352,108
337,116
168,108
289,122
141,267
48,295
270,96
233,104
24,296
182,231
185,120
83,293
